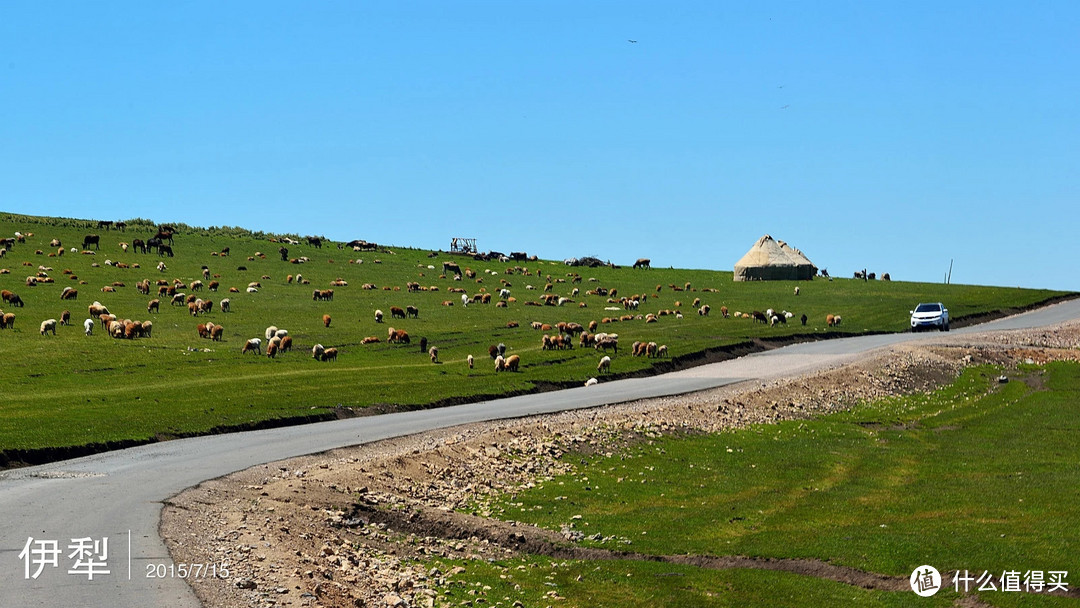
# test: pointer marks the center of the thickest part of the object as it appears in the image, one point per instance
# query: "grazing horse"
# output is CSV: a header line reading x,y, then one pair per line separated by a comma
x,y
91,239
139,245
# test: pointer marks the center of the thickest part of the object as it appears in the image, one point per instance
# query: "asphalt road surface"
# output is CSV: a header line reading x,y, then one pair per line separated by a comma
x,y
65,524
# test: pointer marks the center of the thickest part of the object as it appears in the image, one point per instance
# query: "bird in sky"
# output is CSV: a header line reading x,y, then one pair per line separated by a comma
x,y
632,41
785,107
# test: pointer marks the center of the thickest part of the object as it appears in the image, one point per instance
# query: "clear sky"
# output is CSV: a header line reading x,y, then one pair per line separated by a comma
x,y
895,136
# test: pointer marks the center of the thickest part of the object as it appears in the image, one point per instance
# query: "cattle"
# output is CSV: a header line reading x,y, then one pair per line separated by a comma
x,y
642,263
412,311
397,313
91,239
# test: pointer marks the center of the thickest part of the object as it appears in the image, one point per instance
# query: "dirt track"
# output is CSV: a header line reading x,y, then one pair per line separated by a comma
x,y
315,531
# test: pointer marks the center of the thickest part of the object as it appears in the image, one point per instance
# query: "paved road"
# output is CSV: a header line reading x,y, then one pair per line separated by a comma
x,y
118,495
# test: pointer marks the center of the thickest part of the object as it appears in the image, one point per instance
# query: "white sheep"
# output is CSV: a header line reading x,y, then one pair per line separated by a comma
x,y
88,325
470,360
225,305
253,290
592,382
378,316
605,365
47,326
317,351
271,332
464,299
254,344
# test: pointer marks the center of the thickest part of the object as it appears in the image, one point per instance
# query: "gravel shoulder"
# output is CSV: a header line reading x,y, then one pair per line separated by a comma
x,y
313,531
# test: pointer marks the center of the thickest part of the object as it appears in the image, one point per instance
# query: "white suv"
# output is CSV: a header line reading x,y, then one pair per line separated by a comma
x,y
932,314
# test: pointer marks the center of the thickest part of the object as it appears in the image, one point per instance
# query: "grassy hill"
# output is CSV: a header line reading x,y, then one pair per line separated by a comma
x,y
72,390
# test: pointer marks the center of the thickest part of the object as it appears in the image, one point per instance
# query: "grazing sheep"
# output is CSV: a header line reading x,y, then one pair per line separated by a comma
x,y
271,350
464,299
512,363
252,345
704,310
500,363
281,333
270,332
397,312
493,351
661,351
329,354
69,294
285,345
796,291
378,316
412,311
47,326
65,317
326,320
604,366
317,351
592,382
88,327
216,333
469,360
147,329
433,352
829,320
226,305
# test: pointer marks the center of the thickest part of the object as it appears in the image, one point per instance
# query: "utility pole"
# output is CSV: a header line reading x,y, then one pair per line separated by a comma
x,y
948,277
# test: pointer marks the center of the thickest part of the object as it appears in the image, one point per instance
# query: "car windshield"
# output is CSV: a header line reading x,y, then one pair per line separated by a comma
x,y
928,308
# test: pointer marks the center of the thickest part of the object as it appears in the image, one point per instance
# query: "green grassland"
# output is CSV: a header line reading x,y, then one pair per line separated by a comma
x,y
977,476
75,390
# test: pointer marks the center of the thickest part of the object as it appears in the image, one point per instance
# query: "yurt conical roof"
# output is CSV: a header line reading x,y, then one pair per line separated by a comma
x,y
772,260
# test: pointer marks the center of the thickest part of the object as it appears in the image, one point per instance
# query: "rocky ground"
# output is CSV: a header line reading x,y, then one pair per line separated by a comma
x,y
336,529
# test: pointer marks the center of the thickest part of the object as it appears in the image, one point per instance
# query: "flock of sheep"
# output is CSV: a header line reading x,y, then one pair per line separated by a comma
x,y
557,336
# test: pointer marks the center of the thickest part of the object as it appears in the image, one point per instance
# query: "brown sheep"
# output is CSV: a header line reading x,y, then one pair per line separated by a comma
x,y
69,294
65,317
326,320
216,333
433,352
511,324
330,354
271,350
397,312
203,331
369,340
829,320
512,363
7,321
286,344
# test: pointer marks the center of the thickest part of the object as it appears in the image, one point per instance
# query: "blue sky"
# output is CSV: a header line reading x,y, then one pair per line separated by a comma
x,y
891,136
